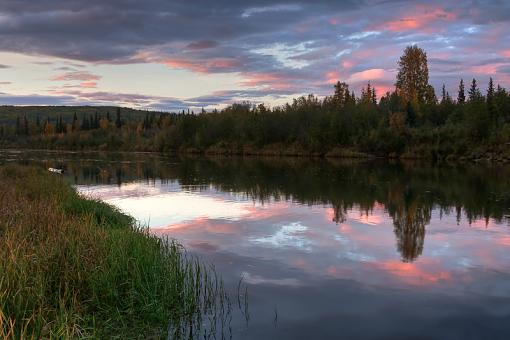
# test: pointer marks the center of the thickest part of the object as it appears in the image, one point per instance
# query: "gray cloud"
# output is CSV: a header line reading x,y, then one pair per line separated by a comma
x,y
504,69
202,45
278,48
105,31
34,99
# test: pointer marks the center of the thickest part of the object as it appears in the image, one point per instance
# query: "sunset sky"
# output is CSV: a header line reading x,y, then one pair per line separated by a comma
x,y
174,54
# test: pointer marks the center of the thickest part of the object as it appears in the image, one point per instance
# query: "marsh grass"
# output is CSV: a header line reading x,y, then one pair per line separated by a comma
x,y
71,267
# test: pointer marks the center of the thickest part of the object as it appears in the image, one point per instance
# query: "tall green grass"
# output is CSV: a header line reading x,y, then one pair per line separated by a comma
x,y
77,268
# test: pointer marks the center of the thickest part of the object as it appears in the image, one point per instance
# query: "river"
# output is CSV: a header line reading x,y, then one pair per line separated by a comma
x,y
325,249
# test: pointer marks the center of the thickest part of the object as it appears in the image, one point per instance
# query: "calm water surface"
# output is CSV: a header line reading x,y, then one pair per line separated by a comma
x,y
327,250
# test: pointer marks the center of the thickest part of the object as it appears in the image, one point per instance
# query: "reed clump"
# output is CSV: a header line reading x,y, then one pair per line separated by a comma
x,y
72,267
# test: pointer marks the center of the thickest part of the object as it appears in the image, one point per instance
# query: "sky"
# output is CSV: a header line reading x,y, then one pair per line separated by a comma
x,y
175,54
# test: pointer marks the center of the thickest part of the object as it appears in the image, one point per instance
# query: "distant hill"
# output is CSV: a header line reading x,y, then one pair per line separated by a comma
x,y
8,114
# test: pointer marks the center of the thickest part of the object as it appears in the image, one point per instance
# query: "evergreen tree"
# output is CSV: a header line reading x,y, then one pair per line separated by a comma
x,y
96,121
61,125
18,126
474,93
461,98
85,123
341,96
75,122
490,90
491,107
25,125
118,121
146,122
411,115
502,102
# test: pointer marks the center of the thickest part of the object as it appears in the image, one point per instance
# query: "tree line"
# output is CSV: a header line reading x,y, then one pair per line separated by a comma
x,y
411,121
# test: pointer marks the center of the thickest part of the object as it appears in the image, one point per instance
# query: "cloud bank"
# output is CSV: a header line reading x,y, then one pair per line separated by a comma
x,y
275,49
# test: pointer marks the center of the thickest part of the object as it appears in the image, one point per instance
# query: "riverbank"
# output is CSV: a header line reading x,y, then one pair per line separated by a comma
x,y
500,154
72,267
494,154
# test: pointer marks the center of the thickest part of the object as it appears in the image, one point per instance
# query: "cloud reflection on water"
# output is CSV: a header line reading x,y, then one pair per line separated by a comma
x,y
362,248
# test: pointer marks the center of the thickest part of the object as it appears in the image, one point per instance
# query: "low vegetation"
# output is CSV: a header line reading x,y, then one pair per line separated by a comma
x,y
72,267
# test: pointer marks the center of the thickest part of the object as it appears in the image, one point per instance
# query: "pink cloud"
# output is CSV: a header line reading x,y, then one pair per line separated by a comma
x,y
332,77
505,241
370,75
202,224
266,79
415,273
370,219
345,228
77,75
204,66
482,224
486,69
399,25
347,64
381,89
421,19
88,84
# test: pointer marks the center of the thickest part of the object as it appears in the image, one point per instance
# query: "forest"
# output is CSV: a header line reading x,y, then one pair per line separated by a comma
x,y
410,122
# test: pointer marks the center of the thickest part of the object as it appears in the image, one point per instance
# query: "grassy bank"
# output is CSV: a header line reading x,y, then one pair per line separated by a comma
x,y
73,267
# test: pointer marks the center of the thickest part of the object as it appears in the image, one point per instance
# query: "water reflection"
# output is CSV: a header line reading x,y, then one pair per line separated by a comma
x,y
410,216
409,193
330,246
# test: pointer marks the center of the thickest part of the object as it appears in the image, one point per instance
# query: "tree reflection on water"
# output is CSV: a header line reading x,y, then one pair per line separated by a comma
x,y
408,192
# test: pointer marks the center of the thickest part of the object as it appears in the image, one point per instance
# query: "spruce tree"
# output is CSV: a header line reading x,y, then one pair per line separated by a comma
x,y
491,107
118,121
85,123
25,124
461,99
60,124
18,126
474,92
75,122
96,121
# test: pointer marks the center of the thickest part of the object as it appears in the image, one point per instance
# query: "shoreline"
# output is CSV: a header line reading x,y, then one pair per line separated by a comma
x,y
73,266
290,152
